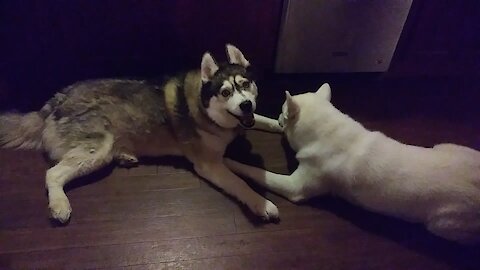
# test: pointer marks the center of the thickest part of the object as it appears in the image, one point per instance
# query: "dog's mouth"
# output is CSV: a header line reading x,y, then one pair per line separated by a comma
x,y
247,120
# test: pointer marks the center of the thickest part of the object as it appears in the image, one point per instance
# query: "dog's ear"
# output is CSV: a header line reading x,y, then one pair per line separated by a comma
x,y
292,106
235,56
208,67
325,91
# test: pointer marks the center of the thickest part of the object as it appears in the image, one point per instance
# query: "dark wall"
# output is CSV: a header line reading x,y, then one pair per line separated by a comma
x,y
46,45
440,38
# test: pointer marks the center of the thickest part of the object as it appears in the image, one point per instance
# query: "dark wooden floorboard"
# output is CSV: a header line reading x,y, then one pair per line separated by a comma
x,y
161,215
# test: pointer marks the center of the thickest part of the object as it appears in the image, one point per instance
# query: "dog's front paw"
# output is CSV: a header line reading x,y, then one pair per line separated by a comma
x,y
60,209
266,210
127,160
276,128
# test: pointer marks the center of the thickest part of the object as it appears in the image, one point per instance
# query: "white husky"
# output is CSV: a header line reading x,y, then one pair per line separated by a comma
x,y
437,186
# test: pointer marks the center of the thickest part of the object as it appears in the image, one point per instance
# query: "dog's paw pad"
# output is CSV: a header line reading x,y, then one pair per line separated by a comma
x,y
267,211
60,210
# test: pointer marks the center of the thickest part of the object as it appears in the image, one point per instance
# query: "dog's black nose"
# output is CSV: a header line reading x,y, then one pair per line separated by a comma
x,y
246,106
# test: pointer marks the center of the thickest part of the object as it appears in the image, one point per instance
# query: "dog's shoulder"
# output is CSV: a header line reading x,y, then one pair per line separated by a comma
x,y
181,95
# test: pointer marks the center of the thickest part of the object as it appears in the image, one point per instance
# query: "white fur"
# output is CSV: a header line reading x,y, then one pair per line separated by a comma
x,y
240,79
250,96
227,85
233,103
266,124
208,67
217,111
437,186
253,88
235,56
75,163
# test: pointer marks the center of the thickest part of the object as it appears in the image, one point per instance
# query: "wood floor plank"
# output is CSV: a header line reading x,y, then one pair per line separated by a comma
x,y
262,249
156,266
110,256
97,210
105,182
307,260
111,206
116,232
143,170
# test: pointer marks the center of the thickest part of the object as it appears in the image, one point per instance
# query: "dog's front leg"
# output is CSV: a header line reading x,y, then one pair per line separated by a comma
x,y
222,177
291,187
266,124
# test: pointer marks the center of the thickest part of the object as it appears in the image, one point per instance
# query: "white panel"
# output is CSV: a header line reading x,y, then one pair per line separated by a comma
x,y
339,35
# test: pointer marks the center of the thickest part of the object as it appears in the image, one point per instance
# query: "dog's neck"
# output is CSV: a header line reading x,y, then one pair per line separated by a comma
x,y
329,127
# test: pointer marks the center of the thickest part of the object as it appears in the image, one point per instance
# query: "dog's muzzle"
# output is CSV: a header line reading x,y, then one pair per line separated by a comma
x,y
246,106
247,120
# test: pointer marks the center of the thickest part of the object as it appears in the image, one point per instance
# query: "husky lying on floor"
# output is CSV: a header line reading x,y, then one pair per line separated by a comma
x,y
196,114
437,186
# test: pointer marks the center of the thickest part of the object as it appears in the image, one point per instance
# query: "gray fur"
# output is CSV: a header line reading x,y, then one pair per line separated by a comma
x,y
85,127
91,123
21,131
83,113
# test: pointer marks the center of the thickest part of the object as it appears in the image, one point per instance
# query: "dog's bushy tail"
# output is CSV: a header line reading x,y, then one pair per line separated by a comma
x,y
21,131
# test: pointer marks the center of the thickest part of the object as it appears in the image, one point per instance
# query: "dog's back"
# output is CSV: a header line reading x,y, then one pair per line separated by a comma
x,y
87,109
437,186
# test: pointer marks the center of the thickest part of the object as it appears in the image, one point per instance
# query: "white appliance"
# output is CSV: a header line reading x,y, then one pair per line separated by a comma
x,y
326,36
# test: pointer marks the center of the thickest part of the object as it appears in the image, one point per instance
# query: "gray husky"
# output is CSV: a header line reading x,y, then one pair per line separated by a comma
x,y
196,114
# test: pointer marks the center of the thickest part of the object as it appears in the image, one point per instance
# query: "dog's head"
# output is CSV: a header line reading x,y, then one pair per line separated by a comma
x,y
228,90
299,111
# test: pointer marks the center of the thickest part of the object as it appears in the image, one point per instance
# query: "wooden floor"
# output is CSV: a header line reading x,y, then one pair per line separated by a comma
x,y
163,216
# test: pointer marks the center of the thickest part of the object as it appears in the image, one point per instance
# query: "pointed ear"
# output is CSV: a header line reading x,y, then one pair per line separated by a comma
x,y
235,56
325,91
208,67
292,105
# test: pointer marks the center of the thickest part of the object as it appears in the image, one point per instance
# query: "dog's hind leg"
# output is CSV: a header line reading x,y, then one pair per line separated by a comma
x,y
76,162
266,124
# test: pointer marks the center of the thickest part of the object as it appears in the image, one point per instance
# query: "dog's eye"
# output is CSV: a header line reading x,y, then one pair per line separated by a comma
x,y
246,84
225,92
